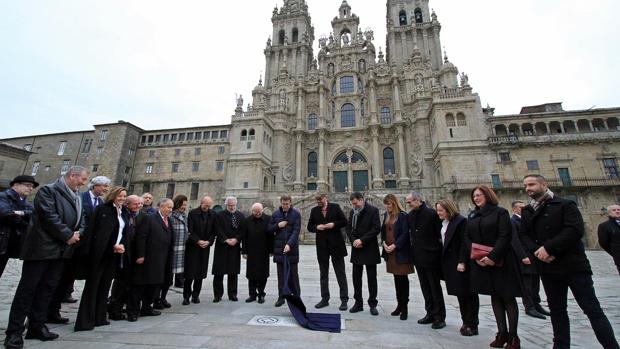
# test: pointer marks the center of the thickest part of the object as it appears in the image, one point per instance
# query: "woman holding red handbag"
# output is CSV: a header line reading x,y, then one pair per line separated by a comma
x,y
495,274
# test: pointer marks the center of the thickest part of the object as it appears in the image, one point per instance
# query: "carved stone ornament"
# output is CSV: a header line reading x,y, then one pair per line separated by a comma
x,y
415,165
288,172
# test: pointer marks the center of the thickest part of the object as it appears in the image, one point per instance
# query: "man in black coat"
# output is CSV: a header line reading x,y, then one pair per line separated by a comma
x,y
153,251
121,288
363,228
229,224
55,224
609,234
256,246
552,229
200,238
426,247
529,274
15,212
327,221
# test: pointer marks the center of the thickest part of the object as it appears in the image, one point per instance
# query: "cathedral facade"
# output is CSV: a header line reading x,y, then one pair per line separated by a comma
x,y
353,118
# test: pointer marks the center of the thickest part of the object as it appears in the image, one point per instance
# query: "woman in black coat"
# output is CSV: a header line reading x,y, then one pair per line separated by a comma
x,y
197,249
454,260
497,274
104,238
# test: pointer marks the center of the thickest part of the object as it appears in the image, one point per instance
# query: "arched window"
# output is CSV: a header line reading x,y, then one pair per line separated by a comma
x,y
244,135
312,164
295,35
389,167
347,115
386,116
346,84
402,17
418,15
281,36
342,157
251,134
265,183
460,119
450,120
357,157
312,121
360,86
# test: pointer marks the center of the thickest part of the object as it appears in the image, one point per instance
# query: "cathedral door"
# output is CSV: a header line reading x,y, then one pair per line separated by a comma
x,y
340,181
360,180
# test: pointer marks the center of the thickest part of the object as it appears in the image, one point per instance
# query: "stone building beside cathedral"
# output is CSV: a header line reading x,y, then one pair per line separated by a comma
x,y
353,118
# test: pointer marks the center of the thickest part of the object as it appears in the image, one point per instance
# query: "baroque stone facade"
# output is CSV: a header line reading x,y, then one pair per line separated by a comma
x,y
352,118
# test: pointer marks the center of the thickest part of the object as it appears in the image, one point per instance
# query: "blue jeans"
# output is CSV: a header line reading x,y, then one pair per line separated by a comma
x,y
582,287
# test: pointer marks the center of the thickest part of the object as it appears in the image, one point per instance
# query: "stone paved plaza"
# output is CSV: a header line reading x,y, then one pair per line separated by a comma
x,y
225,324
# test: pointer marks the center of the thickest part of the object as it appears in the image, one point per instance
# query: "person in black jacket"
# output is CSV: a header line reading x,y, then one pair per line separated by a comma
x,y
497,274
15,214
104,245
326,221
362,228
256,246
455,256
424,230
55,225
552,229
285,224
200,225
229,224
153,252
609,234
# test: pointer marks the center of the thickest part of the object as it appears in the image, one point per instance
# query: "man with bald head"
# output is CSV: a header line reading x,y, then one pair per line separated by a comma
x,y
256,245
227,259
197,248
609,234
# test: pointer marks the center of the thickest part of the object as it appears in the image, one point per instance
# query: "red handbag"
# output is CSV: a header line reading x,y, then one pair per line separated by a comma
x,y
479,251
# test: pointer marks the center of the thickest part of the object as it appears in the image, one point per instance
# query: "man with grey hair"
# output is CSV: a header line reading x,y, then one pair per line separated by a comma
x,y
256,246
609,234
147,204
229,225
55,226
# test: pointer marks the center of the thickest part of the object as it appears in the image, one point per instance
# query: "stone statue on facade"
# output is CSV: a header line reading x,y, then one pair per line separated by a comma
x,y
464,80
240,101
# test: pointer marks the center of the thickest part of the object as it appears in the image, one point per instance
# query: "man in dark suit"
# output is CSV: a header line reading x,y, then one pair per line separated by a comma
x,y
552,229
55,225
200,238
529,274
256,246
426,247
609,234
97,187
327,221
229,224
153,250
363,228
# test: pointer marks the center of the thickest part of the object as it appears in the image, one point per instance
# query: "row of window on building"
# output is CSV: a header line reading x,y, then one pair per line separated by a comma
x,y
347,116
221,135
610,166
176,167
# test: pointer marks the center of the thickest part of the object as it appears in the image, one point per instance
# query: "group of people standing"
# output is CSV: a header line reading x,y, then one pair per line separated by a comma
x,y
129,253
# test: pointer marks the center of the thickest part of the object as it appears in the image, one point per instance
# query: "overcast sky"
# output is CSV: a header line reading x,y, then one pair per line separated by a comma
x,y
69,64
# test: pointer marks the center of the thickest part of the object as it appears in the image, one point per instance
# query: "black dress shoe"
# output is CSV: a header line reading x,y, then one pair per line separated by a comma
x,y
195,300
185,301
469,331
404,313
41,333
69,299
534,313
132,318
426,320
158,305
166,304
56,319
438,325
150,312
542,310
280,302
216,299
104,323
233,298
322,304
373,311
261,299
356,308
343,306
13,341
116,316
250,299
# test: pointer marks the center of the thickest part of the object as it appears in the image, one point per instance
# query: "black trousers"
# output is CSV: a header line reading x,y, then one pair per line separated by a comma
x,y
141,298
187,287
531,290
257,287
33,294
65,285
371,276
401,283
341,276
469,306
293,282
430,283
218,285
120,293
161,291
94,300
582,287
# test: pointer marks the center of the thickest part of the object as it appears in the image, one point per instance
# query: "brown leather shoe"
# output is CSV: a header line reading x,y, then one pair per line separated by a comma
x,y
514,343
500,340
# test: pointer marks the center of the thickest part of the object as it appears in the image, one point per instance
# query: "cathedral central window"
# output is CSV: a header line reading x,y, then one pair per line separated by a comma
x,y
346,84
